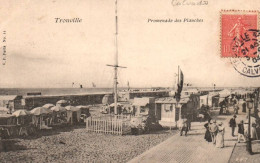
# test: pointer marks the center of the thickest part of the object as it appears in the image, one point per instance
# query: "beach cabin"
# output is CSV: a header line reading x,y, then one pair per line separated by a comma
x,y
211,99
168,111
204,100
188,92
144,106
13,102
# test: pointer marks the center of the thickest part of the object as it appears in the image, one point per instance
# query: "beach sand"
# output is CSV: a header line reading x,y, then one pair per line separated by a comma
x,y
78,145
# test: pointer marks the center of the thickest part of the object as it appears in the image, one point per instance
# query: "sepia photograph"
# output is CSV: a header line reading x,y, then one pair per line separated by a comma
x,y
140,81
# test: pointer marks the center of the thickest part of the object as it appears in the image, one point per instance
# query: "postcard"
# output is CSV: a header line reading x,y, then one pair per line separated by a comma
x,y
129,81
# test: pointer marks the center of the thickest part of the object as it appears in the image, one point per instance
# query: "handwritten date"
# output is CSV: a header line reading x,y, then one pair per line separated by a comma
x,y
189,2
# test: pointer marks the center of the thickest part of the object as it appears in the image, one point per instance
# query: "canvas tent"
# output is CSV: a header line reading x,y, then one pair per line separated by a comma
x,y
73,114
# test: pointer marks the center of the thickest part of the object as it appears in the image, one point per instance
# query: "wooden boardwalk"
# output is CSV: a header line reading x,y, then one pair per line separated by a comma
x,y
192,148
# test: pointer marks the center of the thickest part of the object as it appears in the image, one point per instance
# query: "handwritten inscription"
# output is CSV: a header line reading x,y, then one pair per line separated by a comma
x,y
189,2
4,48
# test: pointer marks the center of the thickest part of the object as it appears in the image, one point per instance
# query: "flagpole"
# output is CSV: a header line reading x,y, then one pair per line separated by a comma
x,y
178,74
116,62
178,83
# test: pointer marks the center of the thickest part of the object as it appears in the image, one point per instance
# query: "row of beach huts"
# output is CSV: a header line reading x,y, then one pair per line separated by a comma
x,y
166,109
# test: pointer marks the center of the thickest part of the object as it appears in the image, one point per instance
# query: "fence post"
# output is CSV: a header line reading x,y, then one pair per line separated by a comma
x,y
113,126
105,126
108,130
98,122
117,127
95,125
121,128
87,124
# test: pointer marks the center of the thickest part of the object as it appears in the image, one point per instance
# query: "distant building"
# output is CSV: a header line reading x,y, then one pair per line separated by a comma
x,y
13,102
168,111
130,95
188,92
31,102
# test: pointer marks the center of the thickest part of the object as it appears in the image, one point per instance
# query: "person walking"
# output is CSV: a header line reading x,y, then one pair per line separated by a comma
x,y
253,125
220,136
241,132
244,107
189,122
221,110
183,126
236,108
213,129
232,124
207,135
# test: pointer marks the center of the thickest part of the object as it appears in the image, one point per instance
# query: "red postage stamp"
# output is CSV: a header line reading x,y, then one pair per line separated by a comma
x,y
239,33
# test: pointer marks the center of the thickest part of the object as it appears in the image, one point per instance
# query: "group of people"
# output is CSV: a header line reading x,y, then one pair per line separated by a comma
x,y
243,133
215,133
234,102
204,113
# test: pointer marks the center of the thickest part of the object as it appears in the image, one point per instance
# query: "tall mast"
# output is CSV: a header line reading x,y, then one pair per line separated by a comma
x,y
116,60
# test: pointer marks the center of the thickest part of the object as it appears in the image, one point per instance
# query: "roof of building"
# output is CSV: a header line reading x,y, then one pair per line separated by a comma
x,y
191,90
68,95
140,103
143,101
171,100
8,97
213,93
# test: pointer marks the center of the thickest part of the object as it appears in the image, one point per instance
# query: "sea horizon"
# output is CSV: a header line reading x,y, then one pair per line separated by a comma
x,y
69,91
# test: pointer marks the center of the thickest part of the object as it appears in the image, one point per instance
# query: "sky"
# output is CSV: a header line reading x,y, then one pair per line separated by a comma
x,y
42,53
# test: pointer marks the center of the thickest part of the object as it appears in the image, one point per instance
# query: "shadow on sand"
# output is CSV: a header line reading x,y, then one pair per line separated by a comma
x,y
11,145
256,153
228,146
196,133
54,131
235,139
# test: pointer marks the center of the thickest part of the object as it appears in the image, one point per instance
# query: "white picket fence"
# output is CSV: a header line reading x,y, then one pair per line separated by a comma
x,y
117,125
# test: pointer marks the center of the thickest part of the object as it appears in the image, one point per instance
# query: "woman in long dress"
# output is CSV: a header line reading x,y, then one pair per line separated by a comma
x,y
220,136
253,133
244,107
207,136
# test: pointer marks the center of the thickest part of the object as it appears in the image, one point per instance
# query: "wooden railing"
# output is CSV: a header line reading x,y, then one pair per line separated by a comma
x,y
117,125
